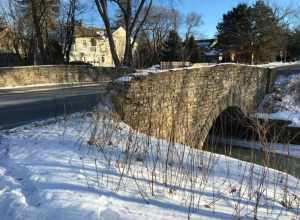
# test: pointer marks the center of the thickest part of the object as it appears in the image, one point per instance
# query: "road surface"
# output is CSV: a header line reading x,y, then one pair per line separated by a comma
x,y
23,105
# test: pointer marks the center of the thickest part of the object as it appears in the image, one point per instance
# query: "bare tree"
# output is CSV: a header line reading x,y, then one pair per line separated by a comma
x,y
176,18
156,29
102,6
13,20
69,12
192,21
133,21
41,16
288,18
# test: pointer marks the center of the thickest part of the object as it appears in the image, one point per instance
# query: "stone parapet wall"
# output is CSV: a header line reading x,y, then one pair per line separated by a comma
x,y
182,105
33,75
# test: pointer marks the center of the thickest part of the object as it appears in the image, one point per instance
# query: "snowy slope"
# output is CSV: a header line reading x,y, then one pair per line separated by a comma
x,y
284,102
55,170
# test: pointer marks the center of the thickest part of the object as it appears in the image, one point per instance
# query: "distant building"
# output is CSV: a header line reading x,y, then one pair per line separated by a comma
x,y
91,45
8,56
210,54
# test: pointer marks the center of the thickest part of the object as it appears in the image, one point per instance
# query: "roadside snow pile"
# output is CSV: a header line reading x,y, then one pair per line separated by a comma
x,y
90,167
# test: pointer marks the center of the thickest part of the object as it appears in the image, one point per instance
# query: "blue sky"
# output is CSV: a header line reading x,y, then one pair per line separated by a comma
x,y
211,11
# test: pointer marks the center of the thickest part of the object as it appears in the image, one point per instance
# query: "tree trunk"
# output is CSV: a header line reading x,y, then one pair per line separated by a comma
x,y
39,52
102,9
127,61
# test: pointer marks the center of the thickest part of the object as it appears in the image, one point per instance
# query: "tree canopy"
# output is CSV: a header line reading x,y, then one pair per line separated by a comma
x,y
254,33
193,53
172,49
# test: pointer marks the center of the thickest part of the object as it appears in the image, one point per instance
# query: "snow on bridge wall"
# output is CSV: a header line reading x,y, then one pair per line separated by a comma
x,y
182,105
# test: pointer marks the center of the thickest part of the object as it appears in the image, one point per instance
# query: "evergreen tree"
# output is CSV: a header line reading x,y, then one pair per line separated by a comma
x,y
294,45
172,50
235,32
254,33
267,33
193,53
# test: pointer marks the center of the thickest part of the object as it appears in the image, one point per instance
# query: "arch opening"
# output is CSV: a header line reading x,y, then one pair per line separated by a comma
x,y
232,123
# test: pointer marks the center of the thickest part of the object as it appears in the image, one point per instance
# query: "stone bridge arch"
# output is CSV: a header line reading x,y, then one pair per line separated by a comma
x,y
182,105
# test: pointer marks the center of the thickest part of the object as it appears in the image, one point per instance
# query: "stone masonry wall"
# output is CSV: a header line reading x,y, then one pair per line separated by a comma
x,y
182,105
32,75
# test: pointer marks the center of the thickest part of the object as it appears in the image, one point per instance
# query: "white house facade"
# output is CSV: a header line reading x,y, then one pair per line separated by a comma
x,y
91,46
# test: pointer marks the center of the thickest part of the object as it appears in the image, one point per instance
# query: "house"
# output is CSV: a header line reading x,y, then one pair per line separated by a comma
x,y
91,45
210,53
8,55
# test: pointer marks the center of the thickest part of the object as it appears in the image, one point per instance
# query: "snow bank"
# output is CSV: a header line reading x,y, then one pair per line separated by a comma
x,y
55,170
293,117
285,101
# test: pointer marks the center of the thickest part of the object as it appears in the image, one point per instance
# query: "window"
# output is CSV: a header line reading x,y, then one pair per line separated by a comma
x,y
93,42
103,59
84,43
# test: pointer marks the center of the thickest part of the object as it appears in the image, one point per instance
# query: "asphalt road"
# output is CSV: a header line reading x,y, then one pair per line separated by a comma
x,y
23,105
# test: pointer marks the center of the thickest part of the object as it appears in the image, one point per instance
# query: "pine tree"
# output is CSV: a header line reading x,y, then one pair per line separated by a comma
x,y
294,45
267,31
254,33
193,52
172,50
235,32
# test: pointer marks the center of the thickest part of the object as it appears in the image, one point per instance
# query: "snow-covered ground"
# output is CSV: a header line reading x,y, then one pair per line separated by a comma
x,y
90,167
284,103
292,117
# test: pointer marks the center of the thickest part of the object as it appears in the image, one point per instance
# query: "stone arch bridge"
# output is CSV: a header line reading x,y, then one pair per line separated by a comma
x,y
182,105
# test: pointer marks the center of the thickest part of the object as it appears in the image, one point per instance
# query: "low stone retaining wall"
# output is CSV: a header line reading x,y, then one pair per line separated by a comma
x,y
33,75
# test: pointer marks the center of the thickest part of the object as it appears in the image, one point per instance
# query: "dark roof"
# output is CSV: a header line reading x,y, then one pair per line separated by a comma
x,y
206,43
83,31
